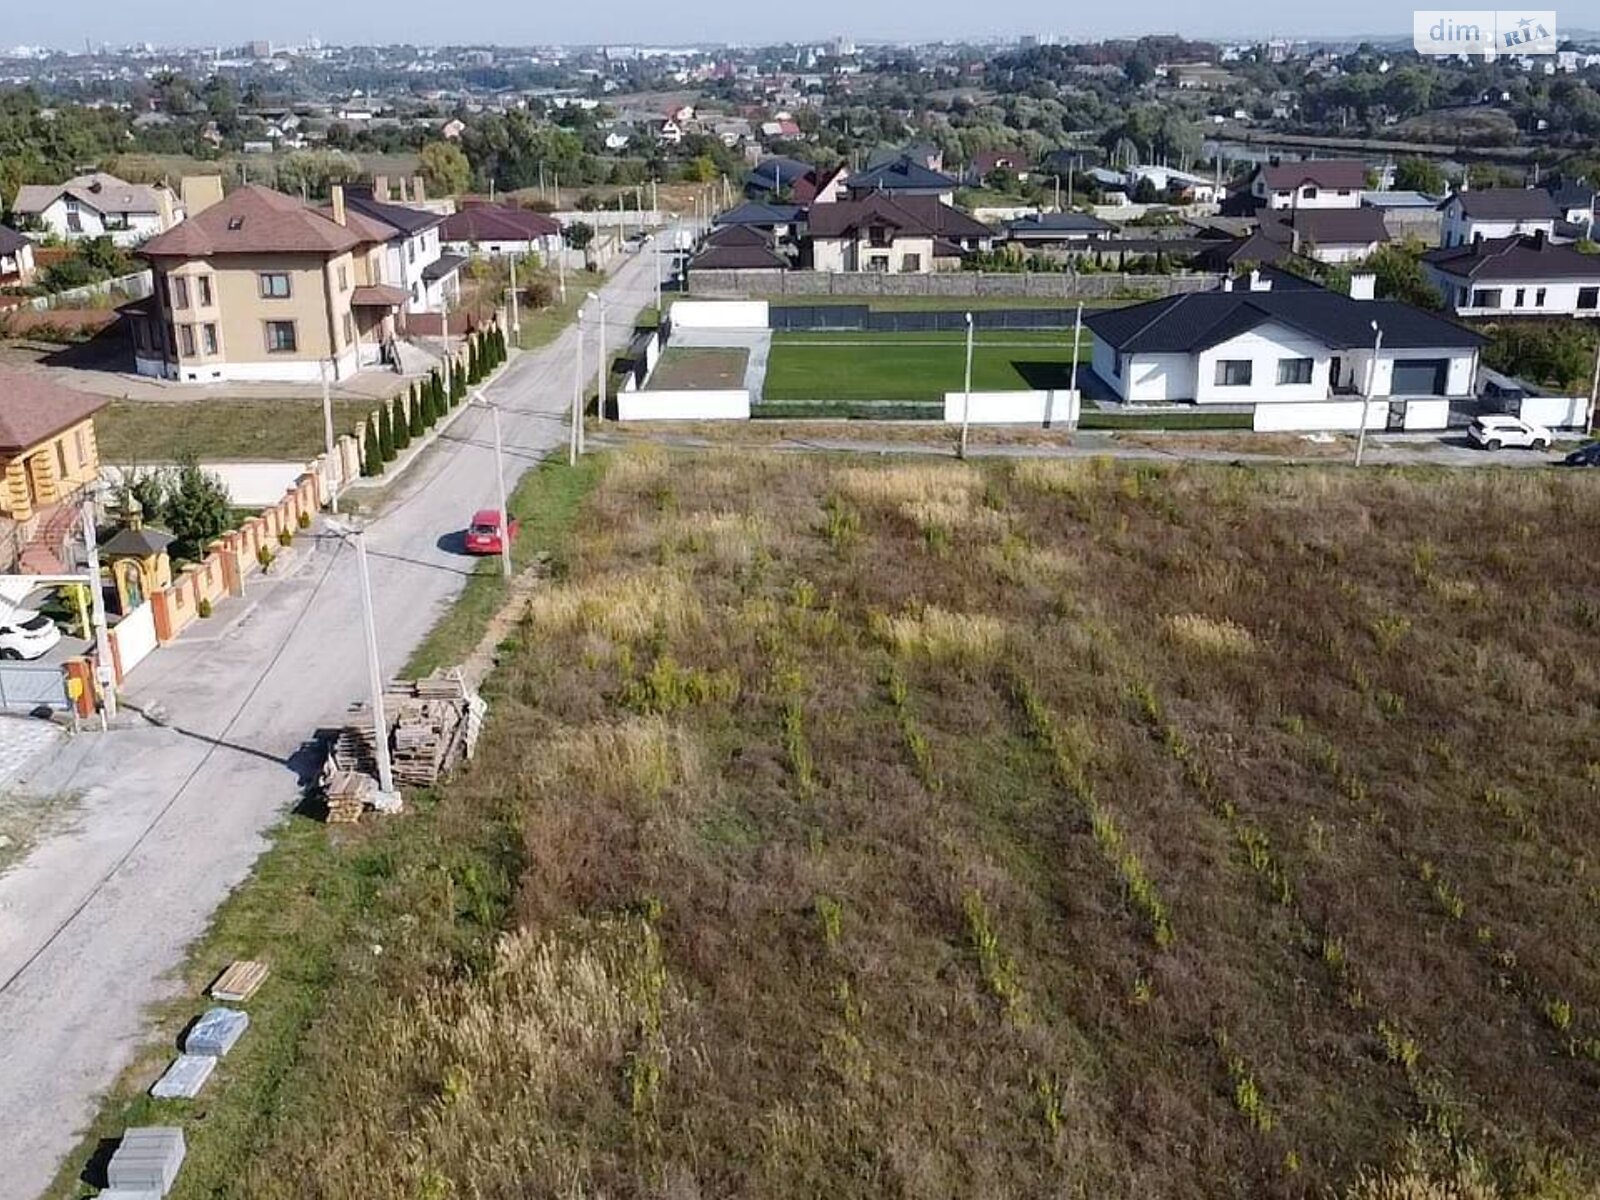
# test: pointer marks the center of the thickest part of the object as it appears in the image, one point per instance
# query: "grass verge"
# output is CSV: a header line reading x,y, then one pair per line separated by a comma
x,y
320,907
134,431
1164,420
543,326
864,366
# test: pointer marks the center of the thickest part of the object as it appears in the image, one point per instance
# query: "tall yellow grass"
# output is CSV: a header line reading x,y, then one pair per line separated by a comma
x,y
949,483
1215,635
622,607
639,758
969,638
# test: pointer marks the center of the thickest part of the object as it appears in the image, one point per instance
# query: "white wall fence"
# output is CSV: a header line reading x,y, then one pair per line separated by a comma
x,y
1555,412
1321,415
1014,408
702,405
133,639
122,289
609,218
720,314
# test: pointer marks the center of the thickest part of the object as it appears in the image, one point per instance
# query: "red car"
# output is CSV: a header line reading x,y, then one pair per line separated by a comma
x,y
483,535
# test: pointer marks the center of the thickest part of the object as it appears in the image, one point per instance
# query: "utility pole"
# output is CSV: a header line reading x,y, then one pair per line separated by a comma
x,y
1594,392
561,270
658,277
576,432
1372,383
333,465
600,408
1077,341
516,318
444,332
104,667
966,399
500,483
380,724
1058,193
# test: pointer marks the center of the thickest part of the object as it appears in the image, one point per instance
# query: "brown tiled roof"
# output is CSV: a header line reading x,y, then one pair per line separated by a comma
x,y
32,408
257,220
379,295
1348,173
497,223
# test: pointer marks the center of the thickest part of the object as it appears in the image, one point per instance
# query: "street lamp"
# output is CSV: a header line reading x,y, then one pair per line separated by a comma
x,y
575,434
1372,386
500,482
966,398
380,726
333,469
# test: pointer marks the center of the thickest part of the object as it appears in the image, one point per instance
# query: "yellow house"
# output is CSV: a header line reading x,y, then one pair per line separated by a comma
x,y
48,451
256,285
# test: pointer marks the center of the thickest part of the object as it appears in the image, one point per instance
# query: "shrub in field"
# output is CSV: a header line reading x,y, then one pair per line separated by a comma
x,y
997,967
1214,635
667,687
625,608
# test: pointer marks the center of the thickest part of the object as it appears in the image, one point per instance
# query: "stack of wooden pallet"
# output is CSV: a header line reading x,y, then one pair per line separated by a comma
x,y
345,793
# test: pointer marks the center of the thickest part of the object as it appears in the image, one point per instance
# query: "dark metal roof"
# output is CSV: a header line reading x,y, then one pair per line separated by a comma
x,y
443,267
901,175
136,543
11,241
1327,226
1347,173
1057,224
753,212
1515,258
407,220
734,257
788,171
1190,323
1505,204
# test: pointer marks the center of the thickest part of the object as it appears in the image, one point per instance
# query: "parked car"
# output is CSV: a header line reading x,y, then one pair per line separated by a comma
x,y
1497,429
26,634
1583,456
483,535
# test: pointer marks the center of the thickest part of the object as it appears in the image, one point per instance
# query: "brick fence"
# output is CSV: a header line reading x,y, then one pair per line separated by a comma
x,y
1064,285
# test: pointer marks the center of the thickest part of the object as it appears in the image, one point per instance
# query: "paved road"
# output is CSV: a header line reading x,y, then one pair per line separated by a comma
x,y
170,819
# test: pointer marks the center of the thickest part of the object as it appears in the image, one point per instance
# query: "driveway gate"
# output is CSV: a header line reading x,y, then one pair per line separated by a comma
x,y
25,687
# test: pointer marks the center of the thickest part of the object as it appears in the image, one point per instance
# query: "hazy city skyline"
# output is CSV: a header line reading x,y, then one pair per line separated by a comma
x,y
292,22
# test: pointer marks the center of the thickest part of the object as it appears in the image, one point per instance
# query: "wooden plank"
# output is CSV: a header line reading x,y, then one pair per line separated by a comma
x,y
240,981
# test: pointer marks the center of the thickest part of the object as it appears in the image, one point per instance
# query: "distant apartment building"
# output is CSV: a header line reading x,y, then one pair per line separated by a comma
x,y
259,286
99,205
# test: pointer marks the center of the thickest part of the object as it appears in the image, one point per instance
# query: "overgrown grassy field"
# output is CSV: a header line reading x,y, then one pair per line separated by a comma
x,y
847,365
135,431
1047,828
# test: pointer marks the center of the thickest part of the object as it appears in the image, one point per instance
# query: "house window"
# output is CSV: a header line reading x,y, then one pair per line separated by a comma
x,y
1522,296
274,285
1283,195
911,262
1308,193
180,293
209,338
203,282
349,329
74,221
411,251
1589,297
344,277
877,235
1538,297
186,340
1233,372
1344,191
878,262
1485,297
1118,364
280,337
1293,370
82,441
61,458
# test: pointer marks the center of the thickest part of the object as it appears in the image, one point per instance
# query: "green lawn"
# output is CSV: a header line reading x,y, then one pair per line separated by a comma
x,y
863,366
142,431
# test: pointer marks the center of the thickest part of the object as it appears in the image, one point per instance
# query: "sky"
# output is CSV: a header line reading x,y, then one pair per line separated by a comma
x,y
635,22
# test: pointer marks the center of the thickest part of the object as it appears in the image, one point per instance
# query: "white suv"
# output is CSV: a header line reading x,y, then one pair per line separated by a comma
x,y
1494,431
27,635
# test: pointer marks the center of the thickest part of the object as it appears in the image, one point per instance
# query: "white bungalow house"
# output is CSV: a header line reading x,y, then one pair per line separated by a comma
x,y
1272,342
1496,213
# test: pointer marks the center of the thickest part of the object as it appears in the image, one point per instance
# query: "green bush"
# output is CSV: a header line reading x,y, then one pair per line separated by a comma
x,y
303,520
399,423
386,435
371,452
264,556
203,608
285,537
418,419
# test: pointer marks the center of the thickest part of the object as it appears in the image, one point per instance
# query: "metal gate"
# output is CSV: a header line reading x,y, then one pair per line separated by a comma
x,y
25,687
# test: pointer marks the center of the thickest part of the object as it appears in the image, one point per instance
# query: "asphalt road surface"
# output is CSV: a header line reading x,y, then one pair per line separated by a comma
x,y
167,820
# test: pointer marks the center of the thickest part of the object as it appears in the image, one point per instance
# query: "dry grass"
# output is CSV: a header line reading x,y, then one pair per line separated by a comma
x,y
1188,832
1209,634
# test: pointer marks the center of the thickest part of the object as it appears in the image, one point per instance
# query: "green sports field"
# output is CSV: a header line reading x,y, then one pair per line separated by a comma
x,y
848,365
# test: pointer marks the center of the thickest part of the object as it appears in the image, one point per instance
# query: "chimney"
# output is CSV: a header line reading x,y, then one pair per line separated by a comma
x,y
380,188
339,216
1227,284
1538,239
1363,285
200,192
1257,284
417,195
